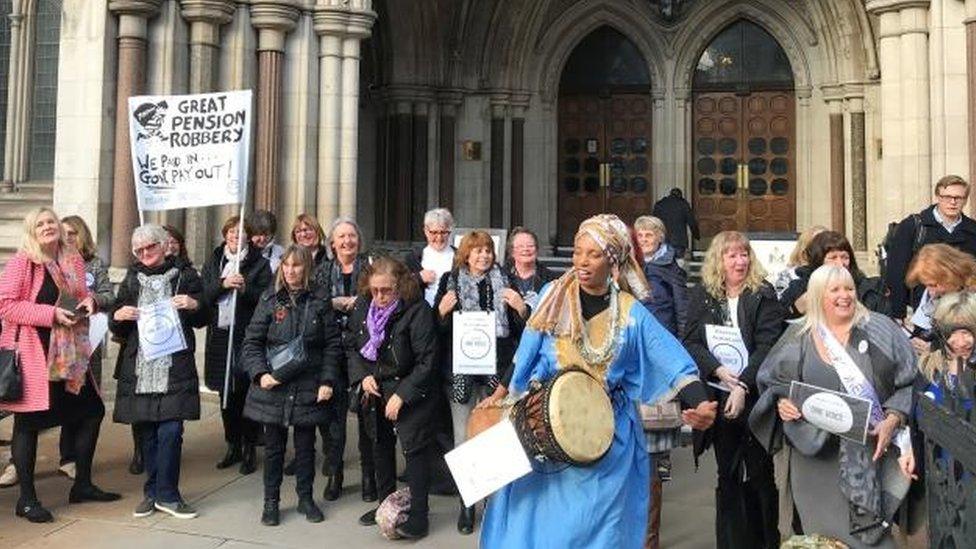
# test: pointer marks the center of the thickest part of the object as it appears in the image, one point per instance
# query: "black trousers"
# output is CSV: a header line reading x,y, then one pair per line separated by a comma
x,y
275,440
746,500
84,437
333,431
417,461
237,428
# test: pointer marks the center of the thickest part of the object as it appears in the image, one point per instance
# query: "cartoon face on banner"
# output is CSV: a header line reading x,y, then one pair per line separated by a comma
x,y
150,117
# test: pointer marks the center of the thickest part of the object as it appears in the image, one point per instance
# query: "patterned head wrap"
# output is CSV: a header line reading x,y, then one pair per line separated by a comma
x,y
559,311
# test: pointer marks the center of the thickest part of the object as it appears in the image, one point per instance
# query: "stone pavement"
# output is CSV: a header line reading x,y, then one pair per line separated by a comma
x,y
230,505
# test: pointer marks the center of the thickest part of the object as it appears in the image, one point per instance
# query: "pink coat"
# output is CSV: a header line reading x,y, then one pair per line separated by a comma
x,y
17,307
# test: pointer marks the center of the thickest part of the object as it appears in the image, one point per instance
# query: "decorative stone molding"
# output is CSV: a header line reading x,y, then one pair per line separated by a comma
x,y
274,19
877,7
205,18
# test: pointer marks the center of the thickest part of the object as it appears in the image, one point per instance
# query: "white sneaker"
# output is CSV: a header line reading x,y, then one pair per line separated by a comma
x,y
9,476
69,469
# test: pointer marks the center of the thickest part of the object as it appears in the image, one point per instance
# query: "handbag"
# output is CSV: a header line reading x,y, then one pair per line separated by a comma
x,y
11,373
661,417
11,369
288,359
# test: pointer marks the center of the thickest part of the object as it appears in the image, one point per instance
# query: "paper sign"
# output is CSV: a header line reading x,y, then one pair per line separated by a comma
x,y
726,345
488,462
190,150
474,343
160,330
835,412
97,328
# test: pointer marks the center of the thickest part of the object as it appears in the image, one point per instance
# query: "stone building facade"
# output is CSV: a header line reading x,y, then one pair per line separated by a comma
x,y
770,115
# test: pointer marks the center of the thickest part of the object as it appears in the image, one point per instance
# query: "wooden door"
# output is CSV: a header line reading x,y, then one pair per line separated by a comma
x,y
744,161
604,159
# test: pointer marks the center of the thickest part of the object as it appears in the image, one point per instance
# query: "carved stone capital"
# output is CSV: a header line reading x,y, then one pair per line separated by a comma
x,y
274,19
352,19
214,12
877,7
138,8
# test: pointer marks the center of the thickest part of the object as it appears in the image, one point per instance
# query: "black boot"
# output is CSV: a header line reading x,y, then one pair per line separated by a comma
x,y
249,459
307,507
333,489
135,466
368,518
415,527
232,456
270,516
465,524
33,511
369,487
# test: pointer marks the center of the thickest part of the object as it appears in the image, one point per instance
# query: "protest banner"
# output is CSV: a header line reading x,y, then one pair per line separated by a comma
x,y
190,150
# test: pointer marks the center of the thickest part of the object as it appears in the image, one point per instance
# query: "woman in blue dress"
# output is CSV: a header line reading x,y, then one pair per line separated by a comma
x,y
591,318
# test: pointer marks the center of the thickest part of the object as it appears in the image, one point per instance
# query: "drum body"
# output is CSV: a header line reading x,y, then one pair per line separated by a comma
x,y
569,419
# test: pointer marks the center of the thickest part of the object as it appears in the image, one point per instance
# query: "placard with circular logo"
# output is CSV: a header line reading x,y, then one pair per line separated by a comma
x,y
160,330
833,411
474,343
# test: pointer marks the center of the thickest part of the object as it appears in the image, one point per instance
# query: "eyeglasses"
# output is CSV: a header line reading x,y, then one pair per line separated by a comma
x,y
432,232
140,251
382,291
304,230
953,197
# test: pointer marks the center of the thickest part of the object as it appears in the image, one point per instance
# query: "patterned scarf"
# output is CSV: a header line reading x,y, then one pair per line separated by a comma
x,y
469,298
336,277
376,321
152,376
67,357
559,311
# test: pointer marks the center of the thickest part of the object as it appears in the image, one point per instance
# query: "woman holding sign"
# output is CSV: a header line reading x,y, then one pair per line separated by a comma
x,y
44,303
291,353
477,285
839,387
733,321
157,308
590,318
238,268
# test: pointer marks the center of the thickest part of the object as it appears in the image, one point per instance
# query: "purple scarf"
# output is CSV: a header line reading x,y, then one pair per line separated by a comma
x,y
376,321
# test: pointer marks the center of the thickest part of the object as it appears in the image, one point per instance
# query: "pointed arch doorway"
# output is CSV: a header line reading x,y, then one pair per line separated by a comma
x,y
604,128
744,134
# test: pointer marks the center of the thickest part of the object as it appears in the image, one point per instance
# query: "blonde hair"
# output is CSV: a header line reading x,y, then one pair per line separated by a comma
x,y
954,311
86,244
304,256
650,223
799,257
951,181
713,273
29,244
942,263
820,281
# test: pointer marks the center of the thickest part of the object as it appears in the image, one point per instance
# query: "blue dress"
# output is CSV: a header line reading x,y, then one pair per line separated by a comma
x,y
605,504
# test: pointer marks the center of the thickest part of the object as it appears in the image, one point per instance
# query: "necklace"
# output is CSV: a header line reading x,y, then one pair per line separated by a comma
x,y
604,353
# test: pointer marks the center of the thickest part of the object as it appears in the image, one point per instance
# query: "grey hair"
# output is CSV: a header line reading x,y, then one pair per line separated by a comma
x,y
344,220
148,234
650,223
820,280
439,216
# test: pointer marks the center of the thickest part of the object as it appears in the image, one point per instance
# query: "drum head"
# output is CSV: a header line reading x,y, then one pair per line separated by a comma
x,y
581,416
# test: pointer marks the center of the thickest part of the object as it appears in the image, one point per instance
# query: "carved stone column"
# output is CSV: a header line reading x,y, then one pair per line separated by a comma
x,y
131,81
448,102
837,172
274,20
341,26
496,193
18,108
205,18
859,188
970,22
517,198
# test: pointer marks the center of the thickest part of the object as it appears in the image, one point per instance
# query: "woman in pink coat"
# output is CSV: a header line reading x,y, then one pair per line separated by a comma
x,y
44,304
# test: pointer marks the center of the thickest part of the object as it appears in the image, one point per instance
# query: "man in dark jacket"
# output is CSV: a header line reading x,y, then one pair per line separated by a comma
x,y
678,218
943,223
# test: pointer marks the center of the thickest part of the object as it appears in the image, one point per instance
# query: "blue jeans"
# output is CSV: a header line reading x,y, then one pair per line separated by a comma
x,y
162,448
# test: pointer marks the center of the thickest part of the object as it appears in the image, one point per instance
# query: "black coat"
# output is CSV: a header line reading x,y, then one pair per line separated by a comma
x,y
506,345
903,247
761,321
669,292
182,398
277,321
678,217
404,366
257,279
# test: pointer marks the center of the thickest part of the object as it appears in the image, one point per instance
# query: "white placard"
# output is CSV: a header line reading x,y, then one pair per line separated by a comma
x,y
726,345
97,328
160,330
190,150
225,310
488,462
773,254
833,411
474,343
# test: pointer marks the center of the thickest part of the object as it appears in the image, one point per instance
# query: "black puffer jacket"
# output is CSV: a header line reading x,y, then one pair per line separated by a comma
x,y
276,321
257,279
404,366
182,398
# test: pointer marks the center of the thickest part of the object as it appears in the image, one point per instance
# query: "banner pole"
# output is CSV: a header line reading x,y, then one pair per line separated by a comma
x,y
233,307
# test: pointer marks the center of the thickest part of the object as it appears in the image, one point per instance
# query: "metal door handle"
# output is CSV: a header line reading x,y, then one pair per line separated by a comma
x,y
742,176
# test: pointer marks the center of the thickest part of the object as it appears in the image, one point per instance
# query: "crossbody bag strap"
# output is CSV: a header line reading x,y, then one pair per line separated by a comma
x,y
30,285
